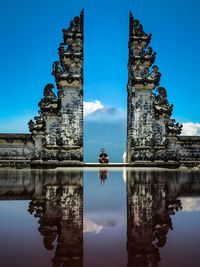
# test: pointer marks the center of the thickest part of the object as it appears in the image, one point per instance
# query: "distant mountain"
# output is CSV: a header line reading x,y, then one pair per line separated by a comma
x,y
106,128
106,115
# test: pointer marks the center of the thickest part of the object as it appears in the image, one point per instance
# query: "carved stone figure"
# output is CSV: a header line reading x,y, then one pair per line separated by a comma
x,y
31,125
49,103
161,104
149,114
56,69
60,122
48,91
173,127
154,76
61,49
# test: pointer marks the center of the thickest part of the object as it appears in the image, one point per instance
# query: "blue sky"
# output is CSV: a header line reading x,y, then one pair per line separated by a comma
x,y
31,32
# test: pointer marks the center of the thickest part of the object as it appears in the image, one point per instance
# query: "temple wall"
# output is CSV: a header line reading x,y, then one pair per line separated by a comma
x,y
188,150
16,150
72,114
178,151
23,183
140,126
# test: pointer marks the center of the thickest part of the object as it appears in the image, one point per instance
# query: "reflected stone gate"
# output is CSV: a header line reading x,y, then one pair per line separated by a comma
x,y
56,199
152,199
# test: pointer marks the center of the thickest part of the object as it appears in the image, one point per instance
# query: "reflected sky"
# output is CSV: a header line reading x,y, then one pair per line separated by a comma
x,y
105,204
99,217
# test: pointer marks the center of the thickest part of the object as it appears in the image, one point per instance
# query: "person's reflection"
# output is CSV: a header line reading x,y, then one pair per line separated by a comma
x,y
60,212
148,217
103,175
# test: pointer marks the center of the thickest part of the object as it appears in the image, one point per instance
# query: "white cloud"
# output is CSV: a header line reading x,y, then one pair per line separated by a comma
x,y
190,204
91,106
190,128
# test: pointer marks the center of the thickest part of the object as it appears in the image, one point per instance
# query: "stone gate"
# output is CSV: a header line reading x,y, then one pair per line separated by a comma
x,y
56,137
56,133
153,137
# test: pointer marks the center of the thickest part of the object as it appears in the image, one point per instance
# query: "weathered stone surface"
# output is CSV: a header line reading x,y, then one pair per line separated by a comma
x,y
57,131
152,135
16,150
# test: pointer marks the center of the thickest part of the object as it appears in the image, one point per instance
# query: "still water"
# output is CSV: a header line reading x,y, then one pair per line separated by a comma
x,y
99,217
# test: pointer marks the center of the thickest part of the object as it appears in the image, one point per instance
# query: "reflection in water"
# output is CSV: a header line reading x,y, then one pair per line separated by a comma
x,y
152,197
103,175
60,209
57,200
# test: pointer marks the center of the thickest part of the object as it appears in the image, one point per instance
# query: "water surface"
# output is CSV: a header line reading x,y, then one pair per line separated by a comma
x,y
99,217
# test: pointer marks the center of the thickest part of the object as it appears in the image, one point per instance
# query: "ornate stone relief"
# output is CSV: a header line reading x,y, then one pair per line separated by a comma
x,y
59,124
149,112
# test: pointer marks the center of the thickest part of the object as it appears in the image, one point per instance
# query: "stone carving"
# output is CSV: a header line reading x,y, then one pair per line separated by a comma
x,y
31,125
69,71
60,121
141,75
163,110
49,103
154,76
38,126
53,134
173,127
149,113
141,57
56,69
150,55
149,210
76,68
152,135
161,105
137,31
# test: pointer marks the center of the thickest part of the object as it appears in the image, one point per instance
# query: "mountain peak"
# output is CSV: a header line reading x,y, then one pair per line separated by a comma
x,y
106,114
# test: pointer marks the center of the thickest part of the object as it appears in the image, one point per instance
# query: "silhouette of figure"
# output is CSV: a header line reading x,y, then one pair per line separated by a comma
x,y
103,157
103,174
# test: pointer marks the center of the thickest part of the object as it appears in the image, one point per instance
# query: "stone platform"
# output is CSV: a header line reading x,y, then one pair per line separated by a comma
x,y
20,164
